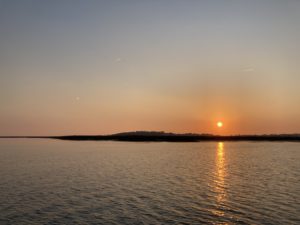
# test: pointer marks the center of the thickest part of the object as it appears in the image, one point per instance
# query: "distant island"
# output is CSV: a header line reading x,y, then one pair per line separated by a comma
x,y
160,136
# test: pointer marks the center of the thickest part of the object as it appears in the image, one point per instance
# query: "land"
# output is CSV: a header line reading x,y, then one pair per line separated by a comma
x,y
153,136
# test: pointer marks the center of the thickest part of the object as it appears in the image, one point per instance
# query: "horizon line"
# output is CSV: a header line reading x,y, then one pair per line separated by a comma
x,y
142,131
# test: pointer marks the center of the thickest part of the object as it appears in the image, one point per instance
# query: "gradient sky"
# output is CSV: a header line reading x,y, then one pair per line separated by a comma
x,y
99,67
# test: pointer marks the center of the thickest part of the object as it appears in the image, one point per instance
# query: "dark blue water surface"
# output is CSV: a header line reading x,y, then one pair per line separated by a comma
x,y
63,182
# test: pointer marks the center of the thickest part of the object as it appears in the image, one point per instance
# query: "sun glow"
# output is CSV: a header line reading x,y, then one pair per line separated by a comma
x,y
220,124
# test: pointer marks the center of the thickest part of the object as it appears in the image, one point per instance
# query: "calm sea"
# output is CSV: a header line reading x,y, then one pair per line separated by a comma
x,y
67,182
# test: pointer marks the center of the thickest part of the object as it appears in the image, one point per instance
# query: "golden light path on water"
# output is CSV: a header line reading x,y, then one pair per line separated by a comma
x,y
220,179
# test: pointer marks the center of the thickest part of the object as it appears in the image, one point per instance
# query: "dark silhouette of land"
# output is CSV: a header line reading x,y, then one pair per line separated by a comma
x,y
154,136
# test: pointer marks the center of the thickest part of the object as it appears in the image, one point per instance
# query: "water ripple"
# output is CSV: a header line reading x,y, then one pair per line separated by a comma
x,y
58,182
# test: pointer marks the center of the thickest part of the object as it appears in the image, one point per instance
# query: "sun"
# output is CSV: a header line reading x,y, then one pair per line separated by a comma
x,y
219,124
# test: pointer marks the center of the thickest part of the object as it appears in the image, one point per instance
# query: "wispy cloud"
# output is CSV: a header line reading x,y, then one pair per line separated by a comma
x,y
248,69
117,60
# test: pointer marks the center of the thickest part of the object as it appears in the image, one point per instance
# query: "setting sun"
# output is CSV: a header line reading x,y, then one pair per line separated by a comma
x,y
220,124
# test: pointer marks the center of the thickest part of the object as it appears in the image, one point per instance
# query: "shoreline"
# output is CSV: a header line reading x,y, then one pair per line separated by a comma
x,y
168,138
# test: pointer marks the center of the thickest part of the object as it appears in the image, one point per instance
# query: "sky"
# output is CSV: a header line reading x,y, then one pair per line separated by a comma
x,y
101,67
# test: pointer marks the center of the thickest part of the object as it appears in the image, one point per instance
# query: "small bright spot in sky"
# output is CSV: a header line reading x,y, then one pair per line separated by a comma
x,y
77,98
220,124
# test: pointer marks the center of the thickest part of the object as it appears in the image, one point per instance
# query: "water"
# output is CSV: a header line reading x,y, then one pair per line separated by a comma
x,y
65,182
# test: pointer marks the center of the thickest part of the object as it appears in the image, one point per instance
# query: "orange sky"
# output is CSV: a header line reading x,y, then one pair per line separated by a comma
x,y
176,66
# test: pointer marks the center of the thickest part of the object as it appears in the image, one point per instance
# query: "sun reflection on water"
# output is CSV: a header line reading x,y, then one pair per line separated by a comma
x,y
220,180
